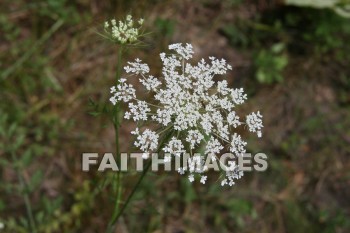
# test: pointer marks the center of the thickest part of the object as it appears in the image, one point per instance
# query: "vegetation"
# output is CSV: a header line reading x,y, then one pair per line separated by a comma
x,y
55,74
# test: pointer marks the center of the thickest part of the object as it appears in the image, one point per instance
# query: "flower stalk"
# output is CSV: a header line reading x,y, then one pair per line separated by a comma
x,y
124,34
117,183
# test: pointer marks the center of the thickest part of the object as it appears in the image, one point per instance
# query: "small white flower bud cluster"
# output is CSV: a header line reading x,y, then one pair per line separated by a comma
x,y
123,32
189,103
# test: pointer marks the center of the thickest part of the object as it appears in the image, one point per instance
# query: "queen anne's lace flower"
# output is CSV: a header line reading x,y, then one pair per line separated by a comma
x,y
137,67
191,178
138,111
254,122
192,107
232,173
233,119
123,32
150,83
237,145
196,164
126,92
213,146
174,147
147,141
185,52
194,137
238,96
203,179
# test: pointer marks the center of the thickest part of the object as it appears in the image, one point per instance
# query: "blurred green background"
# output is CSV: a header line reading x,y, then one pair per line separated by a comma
x,y
291,57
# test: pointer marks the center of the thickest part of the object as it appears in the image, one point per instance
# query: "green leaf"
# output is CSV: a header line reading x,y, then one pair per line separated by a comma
x,y
35,180
26,158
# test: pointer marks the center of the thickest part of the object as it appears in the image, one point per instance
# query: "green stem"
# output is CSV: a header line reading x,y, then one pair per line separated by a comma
x,y
117,184
25,196
117,124
115,218
139,181
134,189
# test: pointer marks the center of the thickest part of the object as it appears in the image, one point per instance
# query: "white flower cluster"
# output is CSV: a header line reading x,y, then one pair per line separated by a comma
x,y
125,92
189,103
123,32
147,141
254,122
232,173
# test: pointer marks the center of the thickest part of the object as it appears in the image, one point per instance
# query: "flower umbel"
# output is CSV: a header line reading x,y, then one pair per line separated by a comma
x,y
187,101
124,32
